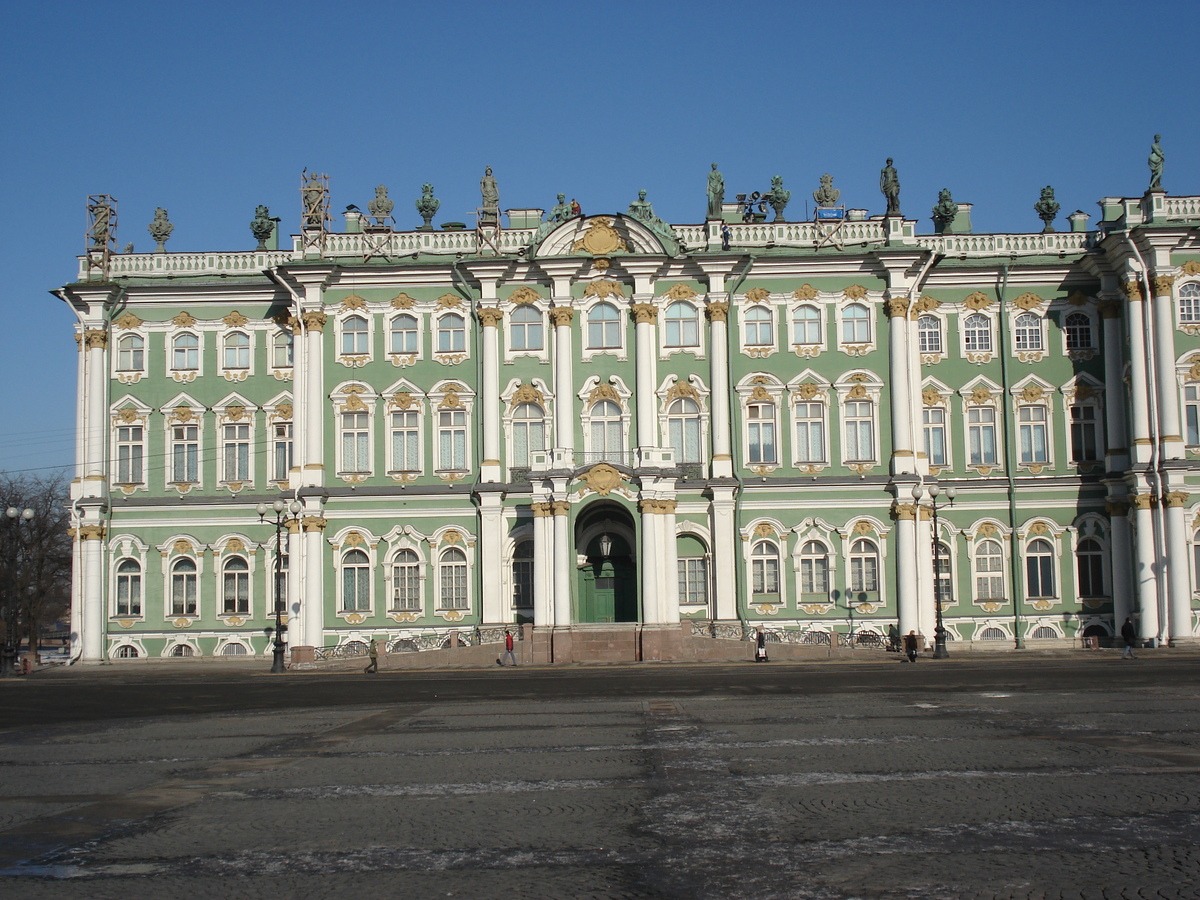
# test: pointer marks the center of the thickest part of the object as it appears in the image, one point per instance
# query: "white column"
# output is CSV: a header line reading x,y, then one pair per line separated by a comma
x,y
309,400
1179,589
294,577
906,567
1145,560
564,398
669,581
724,555
96,440
1138,383
645,316
495,606
543,568
904,460
562,562
92,539
1166,381
1116,424
649,564
313,597
722,460
1121,553
490,397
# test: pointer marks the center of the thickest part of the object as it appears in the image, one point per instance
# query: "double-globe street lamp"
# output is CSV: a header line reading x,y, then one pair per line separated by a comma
x,y
10,610
939,632
283,513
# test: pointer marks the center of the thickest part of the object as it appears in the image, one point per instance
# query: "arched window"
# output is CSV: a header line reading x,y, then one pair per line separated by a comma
x,y
764,570
453,580
1189,302
131,352
760,417
185,352
856,324
403,334
1043,631
814,568
282,350
1028,332
356,581
234,648
603,327
683,325
452,334
929,334
692,558
129,588
807,326
528,432
236,591
182,650
992,633
522,575
1039,569
943,579
354,336
989,571
406,582
864,566
760,329
683,430
237,350
127,651
1089,562
606,430
183,588
525,328
977,333
1078,328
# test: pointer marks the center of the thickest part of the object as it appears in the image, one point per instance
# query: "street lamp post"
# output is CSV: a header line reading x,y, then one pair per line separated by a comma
x,y
280,520
939,632
9,611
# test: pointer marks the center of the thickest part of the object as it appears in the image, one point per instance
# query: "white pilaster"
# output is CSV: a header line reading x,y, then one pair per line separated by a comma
x,y
564,406
669,581
649,565
1144,567
563,566
490,318
1139,384
1179,589
543,569
92,540
906,567
495,608
1166,381
1121,553
904,458
722,460
724,555
313,595
645,315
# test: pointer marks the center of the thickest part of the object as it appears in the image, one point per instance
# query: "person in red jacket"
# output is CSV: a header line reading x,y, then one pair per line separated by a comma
x,y
508,649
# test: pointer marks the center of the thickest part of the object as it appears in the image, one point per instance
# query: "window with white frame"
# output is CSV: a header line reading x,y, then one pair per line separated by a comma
x,y
185,352
933,419
856,324
806,326
283,350
402,337
1085,435
406,582
603,327
981,435
406,440
522,575
693,580
1028,332
989,571
943,581
1078,329
929,334
183,587
355,336
1189,302
129,588
528,432
977,333
764,569
185,454
525,329
235,450
1031,429
356,581
1191,411
235,593
356,442
452,439
237,350
864,567
281,450
859,417
1039,570
760,327
131,353
1089,566
605,429
1196,561
131,449
452,334
452,579
814,568
810,431
760,429
281,592
681,322
683,429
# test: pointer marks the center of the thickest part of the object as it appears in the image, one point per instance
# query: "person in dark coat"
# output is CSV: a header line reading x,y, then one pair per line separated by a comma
x,y
893,639
760,647
910,646
1129,633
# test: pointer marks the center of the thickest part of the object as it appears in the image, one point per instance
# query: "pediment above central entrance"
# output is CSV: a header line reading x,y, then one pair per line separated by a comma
x,y
614,235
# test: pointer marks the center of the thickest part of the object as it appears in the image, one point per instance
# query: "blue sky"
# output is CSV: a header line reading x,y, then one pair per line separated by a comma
x,y
209,109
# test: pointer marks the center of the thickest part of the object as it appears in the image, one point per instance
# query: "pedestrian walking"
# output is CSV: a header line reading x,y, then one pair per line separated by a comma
x,y
760,647
373,652
508,649
1129,633
910,646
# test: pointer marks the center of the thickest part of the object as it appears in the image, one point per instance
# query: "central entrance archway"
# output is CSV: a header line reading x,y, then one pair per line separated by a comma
x,y
605,538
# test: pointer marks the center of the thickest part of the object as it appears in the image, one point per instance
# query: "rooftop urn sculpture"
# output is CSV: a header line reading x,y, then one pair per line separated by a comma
x,y
826,195
1047,209
427,206
778,198
381,207
262,226
944,212
889,186
160,229
1155,162
716,192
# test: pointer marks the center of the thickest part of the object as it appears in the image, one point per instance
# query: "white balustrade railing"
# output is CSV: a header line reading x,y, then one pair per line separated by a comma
x,y
1183,207
150,265
1001,244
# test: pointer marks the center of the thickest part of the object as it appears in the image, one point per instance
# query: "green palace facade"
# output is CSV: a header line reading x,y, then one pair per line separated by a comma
x,y
607,424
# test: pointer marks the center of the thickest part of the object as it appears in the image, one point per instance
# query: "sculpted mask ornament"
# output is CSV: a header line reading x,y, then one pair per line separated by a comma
x,y
977,301
680,292
127,321
603,288
235,319
757,295
854,292
403,301
1028,302
184,320
524,294
805,292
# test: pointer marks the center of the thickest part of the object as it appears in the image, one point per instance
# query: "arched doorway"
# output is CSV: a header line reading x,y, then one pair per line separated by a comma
x,y
605,538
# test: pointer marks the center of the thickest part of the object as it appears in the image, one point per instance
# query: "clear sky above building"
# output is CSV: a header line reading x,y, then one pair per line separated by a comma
x,y
209,109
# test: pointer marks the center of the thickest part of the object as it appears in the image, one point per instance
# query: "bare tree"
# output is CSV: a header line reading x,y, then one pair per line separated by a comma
x,y
35,555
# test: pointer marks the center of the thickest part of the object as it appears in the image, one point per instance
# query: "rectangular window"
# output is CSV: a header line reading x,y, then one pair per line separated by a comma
x,y
981,435
761,432
860,432
766,576
283,450
185,454
523,583
356,442
237,452
237,592
405,441
814,575
129,593
684,438
934,420
454,585
864,574
130,451
406,587
452,439
183,594
693,580
1032,429
1191,399
1084,444
810,432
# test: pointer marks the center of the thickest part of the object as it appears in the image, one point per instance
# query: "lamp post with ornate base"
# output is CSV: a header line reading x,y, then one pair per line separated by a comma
x,y
280,521
9,610
939,632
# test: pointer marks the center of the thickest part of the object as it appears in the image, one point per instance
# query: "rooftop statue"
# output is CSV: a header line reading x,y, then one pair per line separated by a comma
x,y
1155,162
101,214
160,229
381,207
889,186
262,226
559,214
1047,209
488,190
716,192
827,195
313,197
427,206
643,211
945,211
778,197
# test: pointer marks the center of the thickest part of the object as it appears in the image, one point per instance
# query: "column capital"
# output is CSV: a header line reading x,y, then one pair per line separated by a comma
x,y
540,510
313,319
1162,285
1109,308
904,511
1116,508
645,313
1142,501
1133,290
1176,499
490,316
91,532
95,338
896,307
717,310
560,507
313,523
657,507
561,315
